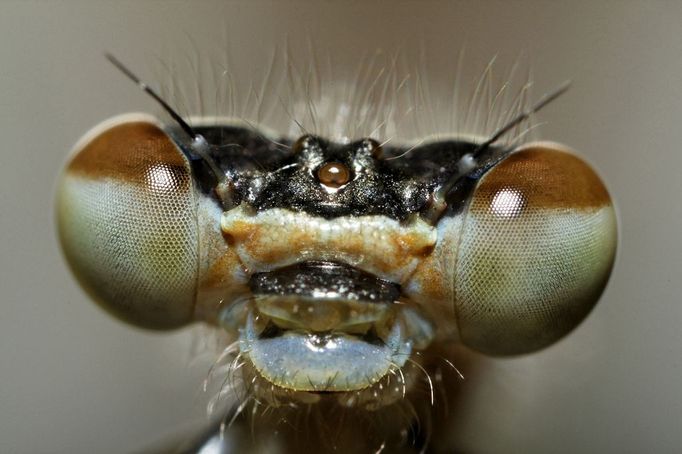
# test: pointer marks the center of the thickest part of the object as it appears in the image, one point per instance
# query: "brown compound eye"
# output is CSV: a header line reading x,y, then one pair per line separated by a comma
x,y
333,174
127,218
536,248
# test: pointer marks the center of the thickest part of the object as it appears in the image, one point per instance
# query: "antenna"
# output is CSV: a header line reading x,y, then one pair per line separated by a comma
x,y
147,89
468,162
199,143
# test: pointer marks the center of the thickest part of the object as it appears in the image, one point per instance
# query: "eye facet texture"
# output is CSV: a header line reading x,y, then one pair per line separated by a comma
x,y
127,220
537,247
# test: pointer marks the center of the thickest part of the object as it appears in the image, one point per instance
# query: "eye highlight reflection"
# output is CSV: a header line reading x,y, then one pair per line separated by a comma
x,y
160,178
508,203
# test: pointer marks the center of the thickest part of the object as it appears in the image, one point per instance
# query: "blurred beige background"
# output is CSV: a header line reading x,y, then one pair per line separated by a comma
x,y
73,380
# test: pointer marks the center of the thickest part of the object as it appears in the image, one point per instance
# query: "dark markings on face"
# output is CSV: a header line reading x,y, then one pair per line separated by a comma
x,y
286,173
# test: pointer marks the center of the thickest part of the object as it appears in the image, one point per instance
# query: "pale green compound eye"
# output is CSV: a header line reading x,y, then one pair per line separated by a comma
x,y
127,222
537,247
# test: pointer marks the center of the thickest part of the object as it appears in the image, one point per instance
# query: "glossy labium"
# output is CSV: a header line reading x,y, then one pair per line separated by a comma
x,y
522,253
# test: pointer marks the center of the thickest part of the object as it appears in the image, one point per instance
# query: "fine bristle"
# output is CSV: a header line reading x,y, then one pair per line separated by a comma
x,y
382,96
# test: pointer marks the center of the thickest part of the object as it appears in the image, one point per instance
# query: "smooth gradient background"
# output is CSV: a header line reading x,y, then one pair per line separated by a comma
x,y
73,380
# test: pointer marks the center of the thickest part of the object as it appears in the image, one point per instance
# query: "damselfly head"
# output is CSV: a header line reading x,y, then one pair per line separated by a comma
x,y
336,262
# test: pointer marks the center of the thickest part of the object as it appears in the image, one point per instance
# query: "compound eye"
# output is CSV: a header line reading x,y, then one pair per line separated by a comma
x,y
128,223
537,247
